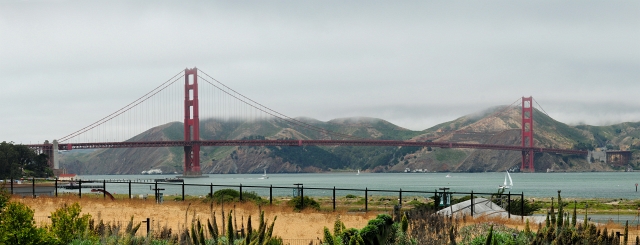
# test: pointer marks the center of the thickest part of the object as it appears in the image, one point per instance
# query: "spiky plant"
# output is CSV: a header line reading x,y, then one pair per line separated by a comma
x,y
626,232
338,227
328,238
552,214
560,212
547,221
201,233
235,221
249,231
586,216
270,230
452,235
242,234
194,235
213,229
262,228
230,235
405,223
574,219
489,240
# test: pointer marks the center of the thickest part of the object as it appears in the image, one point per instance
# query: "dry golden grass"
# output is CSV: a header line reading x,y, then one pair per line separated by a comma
x,y
289,224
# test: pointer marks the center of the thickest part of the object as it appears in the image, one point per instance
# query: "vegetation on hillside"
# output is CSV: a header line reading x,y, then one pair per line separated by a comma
x,y
487,126
307,156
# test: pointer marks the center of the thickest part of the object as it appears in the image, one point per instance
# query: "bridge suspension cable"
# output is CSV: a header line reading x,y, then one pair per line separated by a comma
x,y
534,100
124,109
240,97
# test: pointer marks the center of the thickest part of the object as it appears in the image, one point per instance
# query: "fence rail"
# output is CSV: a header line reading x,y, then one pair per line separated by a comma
x,y
443,195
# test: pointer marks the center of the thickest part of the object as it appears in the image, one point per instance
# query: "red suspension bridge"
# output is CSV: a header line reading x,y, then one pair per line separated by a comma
x,y
123,128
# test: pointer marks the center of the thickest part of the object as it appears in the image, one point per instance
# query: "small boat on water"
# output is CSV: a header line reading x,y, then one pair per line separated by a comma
x,y
448,176
264,176
505,186
358,172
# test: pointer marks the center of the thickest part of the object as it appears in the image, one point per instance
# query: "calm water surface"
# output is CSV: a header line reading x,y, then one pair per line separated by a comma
x,y
579,185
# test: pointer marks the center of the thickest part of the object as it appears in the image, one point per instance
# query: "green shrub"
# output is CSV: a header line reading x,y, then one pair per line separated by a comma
x,y
67,224
18,227
296,203
350,196
500,234
415,203
529,208
231,195
378,230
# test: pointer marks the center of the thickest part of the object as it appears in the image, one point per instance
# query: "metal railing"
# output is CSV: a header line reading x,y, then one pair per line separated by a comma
x,y
442,195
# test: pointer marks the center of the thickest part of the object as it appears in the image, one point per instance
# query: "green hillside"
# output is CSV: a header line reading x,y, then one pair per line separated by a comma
x,y
497,125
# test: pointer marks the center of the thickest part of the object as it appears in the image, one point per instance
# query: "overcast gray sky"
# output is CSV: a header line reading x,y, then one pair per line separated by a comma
x,y
66,64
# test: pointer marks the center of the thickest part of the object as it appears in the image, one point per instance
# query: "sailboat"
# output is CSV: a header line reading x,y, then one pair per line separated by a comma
x,y
505,186
358,172
264,176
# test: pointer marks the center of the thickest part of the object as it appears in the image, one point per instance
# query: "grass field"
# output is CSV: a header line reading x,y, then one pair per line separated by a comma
x,y
307,224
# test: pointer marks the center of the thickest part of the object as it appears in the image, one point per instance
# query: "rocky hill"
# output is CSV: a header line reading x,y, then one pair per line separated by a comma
x,y
499,125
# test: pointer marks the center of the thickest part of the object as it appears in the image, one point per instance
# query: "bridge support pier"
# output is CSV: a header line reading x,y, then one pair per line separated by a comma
x,y
527,135
191,125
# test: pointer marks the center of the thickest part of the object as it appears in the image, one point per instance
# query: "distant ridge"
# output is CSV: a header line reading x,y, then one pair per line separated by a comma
x,y
496,125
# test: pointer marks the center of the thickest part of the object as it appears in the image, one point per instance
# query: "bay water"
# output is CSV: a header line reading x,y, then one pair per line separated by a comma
x,y
608,185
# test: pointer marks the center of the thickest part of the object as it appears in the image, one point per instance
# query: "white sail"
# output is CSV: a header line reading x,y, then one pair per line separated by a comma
x,y
505,186
264,176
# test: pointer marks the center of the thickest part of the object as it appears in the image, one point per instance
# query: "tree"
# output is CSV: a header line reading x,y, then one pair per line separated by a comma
x,y
18,160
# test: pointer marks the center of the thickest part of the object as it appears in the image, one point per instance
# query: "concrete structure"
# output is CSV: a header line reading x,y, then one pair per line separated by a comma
x,y
611,157
618,157
597,156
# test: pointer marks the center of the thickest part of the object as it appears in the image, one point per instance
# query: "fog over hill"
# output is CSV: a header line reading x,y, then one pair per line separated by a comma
x,y
497,125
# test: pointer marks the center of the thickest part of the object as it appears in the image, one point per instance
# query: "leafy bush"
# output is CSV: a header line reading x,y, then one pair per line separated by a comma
x,y
18,227
67,224
297,202
415,203
378,230
231,195
515,207
350,196
500,234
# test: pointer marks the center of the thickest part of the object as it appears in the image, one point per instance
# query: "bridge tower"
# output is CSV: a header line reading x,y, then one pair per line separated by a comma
x,y
527,134
191,124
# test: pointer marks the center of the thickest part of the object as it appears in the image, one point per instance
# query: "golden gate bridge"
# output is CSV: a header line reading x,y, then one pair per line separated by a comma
x,y
123,128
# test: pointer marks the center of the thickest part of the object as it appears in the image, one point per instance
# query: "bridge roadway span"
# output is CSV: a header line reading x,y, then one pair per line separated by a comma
x,y
73,146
